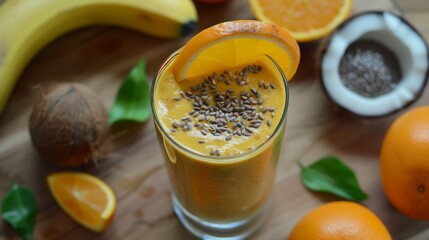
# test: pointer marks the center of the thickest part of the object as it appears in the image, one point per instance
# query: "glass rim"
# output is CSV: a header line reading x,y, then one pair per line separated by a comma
x,y
205,157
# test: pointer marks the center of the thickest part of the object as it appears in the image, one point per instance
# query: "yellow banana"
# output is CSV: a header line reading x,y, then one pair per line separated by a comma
x,y
28,25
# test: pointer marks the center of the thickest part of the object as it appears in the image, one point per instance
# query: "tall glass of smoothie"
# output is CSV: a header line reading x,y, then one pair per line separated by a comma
x,y
221,135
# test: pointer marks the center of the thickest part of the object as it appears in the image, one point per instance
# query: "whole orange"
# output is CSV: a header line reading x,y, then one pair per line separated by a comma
x,y
404,163
340,220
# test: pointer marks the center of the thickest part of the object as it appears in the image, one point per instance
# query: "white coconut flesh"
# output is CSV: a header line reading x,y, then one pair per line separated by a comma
x,y
395,34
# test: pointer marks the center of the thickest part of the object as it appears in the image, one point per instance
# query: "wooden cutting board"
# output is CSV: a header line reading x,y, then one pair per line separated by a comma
x,y
100,57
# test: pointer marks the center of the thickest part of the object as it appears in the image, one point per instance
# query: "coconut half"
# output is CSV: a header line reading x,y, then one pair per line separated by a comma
x,y
394,33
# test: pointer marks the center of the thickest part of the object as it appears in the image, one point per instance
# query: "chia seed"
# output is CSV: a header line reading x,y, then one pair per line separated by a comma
x,y
225,114
369,68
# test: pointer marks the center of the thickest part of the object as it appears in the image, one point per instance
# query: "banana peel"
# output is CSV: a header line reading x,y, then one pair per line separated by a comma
x,y
26,26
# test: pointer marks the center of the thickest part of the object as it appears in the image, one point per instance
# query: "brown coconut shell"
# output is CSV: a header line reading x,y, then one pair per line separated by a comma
x,y
69,125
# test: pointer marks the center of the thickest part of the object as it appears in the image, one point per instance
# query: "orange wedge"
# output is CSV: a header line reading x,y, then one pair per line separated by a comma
x,y
236,43
307,20
85,198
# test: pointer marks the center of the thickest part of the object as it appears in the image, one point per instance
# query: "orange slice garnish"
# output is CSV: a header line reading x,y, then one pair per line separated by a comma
x,y
307,20
85,198
236,43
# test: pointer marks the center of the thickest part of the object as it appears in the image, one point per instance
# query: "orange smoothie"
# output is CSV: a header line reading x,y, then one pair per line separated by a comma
x,y
222,134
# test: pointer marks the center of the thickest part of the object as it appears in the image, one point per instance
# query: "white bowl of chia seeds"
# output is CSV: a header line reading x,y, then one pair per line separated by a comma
x,y
374,64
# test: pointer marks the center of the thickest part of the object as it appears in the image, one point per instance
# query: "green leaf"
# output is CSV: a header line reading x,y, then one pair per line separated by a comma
x,y
133,98
330,175
19,209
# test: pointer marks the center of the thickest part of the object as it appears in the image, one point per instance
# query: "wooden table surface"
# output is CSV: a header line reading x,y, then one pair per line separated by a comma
x,y
100,57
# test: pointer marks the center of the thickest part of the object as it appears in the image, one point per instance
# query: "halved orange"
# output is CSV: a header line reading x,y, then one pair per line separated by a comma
x,y
236,43
84,197
307,20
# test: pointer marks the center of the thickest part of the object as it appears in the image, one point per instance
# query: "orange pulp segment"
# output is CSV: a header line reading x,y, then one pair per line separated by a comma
x,y
307,20
85,198
236,43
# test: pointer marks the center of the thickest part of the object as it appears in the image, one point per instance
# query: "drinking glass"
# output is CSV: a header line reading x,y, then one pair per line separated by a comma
x,y
220,197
